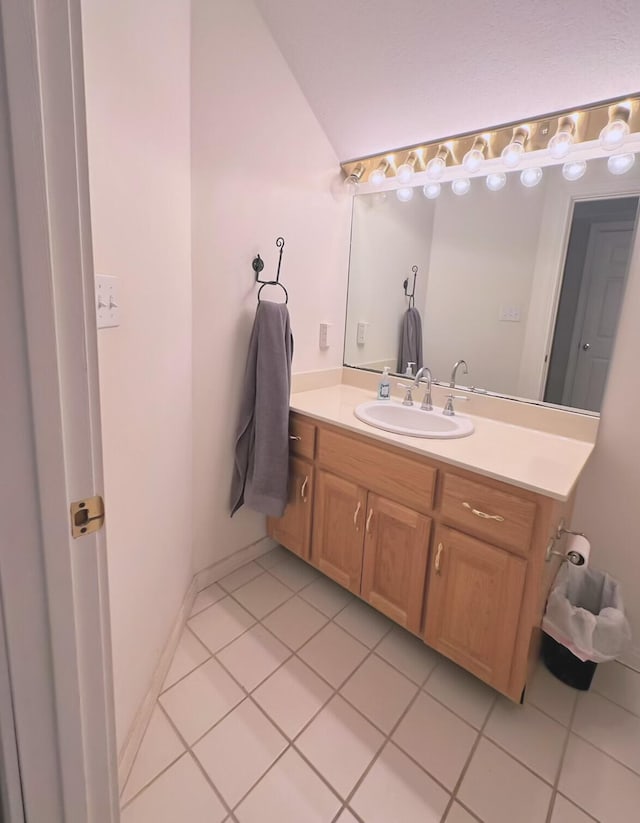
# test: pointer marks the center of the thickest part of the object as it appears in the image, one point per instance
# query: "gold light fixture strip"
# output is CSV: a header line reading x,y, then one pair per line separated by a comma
x,y
585,124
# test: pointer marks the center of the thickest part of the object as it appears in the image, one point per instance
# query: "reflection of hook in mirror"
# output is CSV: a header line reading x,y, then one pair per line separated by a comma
x,y
411,295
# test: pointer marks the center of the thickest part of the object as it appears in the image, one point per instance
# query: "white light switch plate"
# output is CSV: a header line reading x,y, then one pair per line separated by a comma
x,y
107,302
510,314
324,340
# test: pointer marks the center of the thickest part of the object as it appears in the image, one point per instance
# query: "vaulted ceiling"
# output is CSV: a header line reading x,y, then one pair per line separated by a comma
x,y
380,74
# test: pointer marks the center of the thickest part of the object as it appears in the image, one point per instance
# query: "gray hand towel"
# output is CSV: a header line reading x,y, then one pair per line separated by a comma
x,y
261,469
410,341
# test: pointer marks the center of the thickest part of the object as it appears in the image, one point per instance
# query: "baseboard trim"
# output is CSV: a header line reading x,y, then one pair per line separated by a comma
x,y
229,564
200,581
631,658
141,720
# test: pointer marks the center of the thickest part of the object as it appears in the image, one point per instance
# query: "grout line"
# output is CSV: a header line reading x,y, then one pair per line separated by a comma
x,y
153,779
565,746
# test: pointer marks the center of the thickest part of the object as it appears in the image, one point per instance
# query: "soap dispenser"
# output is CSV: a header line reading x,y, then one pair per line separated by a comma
x,y
384,387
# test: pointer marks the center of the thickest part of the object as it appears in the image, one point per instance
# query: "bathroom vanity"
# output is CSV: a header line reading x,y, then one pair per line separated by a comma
x,y
447,538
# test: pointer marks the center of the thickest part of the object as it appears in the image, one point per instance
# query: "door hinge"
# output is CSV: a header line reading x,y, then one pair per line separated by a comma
x,y
87,516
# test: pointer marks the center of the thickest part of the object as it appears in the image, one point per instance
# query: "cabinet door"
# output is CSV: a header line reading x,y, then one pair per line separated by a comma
x,y
293,529
396,549
473,604
338,529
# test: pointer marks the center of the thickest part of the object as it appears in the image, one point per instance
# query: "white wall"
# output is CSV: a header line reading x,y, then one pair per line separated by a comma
x,y
261,167
138,100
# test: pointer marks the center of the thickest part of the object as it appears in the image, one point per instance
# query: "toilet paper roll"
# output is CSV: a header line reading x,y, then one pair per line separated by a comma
x,y
578,550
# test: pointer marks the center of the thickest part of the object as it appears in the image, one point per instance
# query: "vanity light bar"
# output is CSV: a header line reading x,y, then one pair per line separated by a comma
x,y
610,121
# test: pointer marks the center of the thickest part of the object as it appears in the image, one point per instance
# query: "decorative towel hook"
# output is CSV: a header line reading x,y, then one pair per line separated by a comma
x,y
258,266
412,296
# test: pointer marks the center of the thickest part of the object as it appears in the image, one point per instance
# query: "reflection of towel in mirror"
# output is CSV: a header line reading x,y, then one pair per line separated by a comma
x,y
410,341
261,469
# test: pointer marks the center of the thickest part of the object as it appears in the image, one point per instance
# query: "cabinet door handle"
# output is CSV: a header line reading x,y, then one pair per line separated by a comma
x,y
368,526
356,513
483,515
294,437
438,557
303,489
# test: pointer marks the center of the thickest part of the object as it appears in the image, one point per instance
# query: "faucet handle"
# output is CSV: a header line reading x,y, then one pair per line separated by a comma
x,y
408,398
448,410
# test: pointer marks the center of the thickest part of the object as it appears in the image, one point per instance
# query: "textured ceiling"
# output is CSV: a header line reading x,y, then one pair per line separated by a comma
x,y
381,74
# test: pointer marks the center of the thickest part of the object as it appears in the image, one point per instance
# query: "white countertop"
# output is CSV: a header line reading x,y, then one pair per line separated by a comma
x,y
548,464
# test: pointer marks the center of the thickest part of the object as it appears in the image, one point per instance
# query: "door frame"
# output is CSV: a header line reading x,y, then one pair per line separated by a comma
x,y
54,588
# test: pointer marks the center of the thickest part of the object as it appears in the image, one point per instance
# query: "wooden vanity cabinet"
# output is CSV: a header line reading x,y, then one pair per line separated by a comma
x,y
293,529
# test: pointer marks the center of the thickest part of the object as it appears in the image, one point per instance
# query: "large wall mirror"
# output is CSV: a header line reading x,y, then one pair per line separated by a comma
x,y
525,283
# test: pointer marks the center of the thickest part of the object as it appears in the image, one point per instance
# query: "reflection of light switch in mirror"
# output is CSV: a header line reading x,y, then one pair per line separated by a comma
x,y
361,334
325,340
107,303
511,314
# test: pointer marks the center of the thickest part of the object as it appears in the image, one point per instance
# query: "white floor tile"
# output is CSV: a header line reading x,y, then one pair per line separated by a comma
x,y
396,791
603,788
379,691
460,691
290,792
295,622
240,576
620,684
160,747
293,572
292,696
221,623
408,654
438,740
364,623
340,743
207,597
326,596
239,750
529,735
274,556
201,699
566,812
182,793
498,789
333,653
551,695
457,814
262,595
189,654
253,656
609,727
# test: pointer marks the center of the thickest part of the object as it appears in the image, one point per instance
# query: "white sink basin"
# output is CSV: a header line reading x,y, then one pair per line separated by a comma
x,y
412,420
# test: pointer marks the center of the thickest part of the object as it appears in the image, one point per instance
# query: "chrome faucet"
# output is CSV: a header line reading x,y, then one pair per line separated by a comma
x,y
426,405
456,366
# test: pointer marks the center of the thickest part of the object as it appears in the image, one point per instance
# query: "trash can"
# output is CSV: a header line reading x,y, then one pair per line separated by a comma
x,y
584,624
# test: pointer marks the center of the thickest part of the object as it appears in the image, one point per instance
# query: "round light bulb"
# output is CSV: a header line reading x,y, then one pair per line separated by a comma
x,y
531,177
376,178
404,195
472,160
496,181
435,168
574,170
512,154
560,145
461,186
431,190
613,135
404,173
620,163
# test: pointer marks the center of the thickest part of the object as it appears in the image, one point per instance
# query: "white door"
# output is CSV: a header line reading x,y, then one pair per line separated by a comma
x,y
53,588
599,304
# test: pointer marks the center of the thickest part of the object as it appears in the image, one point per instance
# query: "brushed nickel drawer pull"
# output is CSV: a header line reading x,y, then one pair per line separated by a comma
x,y
356,513
303,490
438,556
483,515
294,437
368,527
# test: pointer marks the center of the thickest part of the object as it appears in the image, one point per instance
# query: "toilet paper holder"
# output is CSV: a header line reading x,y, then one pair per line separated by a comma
x,y
571,557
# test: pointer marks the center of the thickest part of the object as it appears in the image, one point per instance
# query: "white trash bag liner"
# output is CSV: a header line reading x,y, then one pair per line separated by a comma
x,y
585,614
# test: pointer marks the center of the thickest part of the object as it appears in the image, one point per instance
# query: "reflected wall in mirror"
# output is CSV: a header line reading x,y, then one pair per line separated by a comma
x,y
525,284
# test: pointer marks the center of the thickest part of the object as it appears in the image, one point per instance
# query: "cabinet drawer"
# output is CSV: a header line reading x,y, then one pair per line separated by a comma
x,y
390,474
302,438
498,516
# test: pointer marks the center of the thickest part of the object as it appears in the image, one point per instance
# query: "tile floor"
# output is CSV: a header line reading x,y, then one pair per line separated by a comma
x,y
290,701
